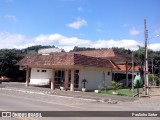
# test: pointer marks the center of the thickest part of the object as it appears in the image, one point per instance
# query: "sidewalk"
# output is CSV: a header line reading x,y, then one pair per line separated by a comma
x,y
112,99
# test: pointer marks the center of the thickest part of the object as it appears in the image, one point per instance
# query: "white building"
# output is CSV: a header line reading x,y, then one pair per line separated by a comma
x,y
69,67
96,66
48,51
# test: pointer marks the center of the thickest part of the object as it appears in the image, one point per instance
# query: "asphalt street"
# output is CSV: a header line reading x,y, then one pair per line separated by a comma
x,y
18,100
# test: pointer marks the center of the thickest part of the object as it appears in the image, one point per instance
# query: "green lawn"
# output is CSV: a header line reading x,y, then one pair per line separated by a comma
x,y
122,92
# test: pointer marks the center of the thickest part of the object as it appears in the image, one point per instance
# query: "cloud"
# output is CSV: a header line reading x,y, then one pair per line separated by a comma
x,y
129,44
49,38
134,31
10,17
78,24
155,46
80,9
99,30
61,40
8,40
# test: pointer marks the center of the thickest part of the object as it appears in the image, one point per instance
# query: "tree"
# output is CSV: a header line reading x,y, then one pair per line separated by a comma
x,y
154,79
76,48
36,48
122,50
8,59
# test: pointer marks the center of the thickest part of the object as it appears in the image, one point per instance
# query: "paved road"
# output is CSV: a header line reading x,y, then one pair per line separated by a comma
x,y
17,99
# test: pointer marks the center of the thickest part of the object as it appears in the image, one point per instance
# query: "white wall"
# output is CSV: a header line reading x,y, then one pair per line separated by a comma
x,y
40,74
40,78
95,77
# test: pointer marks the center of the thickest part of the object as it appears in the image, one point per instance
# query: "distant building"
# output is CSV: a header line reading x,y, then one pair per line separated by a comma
x,y
48,51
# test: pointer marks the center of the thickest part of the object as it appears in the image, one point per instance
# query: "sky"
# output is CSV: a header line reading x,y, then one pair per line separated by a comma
x,y
83,23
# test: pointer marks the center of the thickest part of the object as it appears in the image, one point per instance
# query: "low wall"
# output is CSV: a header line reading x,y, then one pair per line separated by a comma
x,y
154,90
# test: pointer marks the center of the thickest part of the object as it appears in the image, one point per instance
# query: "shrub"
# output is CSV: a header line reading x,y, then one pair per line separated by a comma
x,y
116,85
154,79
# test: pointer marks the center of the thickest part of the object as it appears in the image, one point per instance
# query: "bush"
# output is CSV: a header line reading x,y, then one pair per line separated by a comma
x,y
154,79
116,85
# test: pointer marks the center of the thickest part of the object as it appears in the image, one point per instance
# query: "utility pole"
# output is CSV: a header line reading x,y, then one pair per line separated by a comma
x,y
146,59
132,73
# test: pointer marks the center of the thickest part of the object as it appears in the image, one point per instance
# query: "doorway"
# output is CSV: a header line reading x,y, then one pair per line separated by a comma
x,y
59,78
76,78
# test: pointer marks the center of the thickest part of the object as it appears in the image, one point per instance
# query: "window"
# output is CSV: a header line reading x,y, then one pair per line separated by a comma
x,y
44,70
108,73
76,78
37,70
59,76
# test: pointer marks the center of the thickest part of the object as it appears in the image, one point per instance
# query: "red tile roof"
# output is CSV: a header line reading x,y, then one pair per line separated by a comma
x,y
64,59
98,53
123,68
91,61
115,66
107,53
55,59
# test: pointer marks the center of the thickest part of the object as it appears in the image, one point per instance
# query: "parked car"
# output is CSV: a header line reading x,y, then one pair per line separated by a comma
x,y
5,79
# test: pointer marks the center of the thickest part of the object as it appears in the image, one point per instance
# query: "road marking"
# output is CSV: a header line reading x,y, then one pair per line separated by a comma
x,y
50,95
67,105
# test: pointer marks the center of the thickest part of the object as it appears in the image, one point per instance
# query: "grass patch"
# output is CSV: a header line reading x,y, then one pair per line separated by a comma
x,y
122,92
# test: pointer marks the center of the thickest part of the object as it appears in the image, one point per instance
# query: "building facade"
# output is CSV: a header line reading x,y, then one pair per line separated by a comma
x,y
68,69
